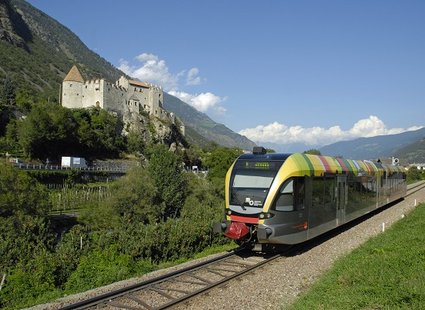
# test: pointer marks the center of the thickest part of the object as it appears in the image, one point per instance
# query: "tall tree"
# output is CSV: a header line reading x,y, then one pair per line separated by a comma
x,y
166,171
7,103
8,92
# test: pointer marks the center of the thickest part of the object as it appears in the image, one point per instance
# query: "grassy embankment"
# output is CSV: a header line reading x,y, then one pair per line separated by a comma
x,y
387,272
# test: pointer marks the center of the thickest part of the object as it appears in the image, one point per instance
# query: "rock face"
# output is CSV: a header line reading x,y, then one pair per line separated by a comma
x,y
154,130
12,27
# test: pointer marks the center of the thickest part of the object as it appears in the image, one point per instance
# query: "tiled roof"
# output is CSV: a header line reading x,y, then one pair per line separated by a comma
x,y
74,75
137,83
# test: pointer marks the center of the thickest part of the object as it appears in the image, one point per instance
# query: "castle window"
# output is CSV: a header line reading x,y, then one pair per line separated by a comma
x,y
70,85
97,104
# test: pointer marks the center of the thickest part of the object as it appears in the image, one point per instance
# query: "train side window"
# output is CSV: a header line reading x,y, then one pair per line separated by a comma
x,y
285,201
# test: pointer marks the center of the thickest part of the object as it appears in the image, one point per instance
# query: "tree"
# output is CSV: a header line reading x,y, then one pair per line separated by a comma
x,y
99,132
220,160
135,142
166,171
48,131
21,194
312,152
7,102
8,93
134,197
24,226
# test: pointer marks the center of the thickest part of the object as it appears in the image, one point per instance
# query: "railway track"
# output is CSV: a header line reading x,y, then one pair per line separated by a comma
x,y
173,288
413,188
168,290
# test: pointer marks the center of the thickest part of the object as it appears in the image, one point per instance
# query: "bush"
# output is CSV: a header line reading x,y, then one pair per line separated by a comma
x,y
98,268
29,283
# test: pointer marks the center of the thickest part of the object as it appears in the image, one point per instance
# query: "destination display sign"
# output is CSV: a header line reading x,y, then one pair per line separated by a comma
x,y
258,165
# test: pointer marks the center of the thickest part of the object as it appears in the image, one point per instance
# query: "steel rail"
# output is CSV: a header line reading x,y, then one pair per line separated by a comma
x,y
137,286
112,298
415,188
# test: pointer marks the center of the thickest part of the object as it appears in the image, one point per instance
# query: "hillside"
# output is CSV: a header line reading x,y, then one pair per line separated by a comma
x,y
414,153
379,146
36,52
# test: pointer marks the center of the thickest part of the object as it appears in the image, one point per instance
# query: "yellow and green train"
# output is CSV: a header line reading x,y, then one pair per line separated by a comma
x,y
291,198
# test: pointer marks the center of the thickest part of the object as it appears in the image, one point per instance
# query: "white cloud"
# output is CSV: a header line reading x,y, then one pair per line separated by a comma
x,y
152,69
282,134
193,77
155,70
202,102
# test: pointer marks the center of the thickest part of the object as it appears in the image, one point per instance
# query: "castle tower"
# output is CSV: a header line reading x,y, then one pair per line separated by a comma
x,y
72,89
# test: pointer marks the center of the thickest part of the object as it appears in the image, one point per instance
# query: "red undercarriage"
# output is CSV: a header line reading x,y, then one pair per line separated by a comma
x,y
236,230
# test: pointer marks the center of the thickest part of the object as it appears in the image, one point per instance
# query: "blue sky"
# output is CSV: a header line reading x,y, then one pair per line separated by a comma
x,y
311,72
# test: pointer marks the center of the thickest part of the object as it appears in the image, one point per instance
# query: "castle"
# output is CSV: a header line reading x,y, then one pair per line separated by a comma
x,y
124,97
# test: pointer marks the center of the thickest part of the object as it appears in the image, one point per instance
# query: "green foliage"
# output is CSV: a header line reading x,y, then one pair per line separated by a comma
x,y
22,237
135,142
220,160
312,152
74,244
166,170
47,131
7,102
385,273
134,198
98,268
7,93
21,194
413,175
50,131
29,283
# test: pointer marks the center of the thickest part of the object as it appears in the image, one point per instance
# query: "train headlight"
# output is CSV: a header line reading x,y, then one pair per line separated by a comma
x,y
229,212
265,215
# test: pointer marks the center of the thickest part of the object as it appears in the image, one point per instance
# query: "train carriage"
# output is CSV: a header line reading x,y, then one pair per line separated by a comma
x,y
290,198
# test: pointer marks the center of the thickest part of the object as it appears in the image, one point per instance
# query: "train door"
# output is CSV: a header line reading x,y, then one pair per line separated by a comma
x,y
341,198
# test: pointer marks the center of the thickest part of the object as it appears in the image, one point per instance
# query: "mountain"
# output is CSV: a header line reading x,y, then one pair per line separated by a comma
x,y
376,147
36,52
203,125
413,153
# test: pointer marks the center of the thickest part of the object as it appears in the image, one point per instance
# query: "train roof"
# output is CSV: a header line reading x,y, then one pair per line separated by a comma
x,y
318,165
265,157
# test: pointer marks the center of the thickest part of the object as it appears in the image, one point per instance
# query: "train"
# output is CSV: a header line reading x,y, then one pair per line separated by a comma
x,y
285,199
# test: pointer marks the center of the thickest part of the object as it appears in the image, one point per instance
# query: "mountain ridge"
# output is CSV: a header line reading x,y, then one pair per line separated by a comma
x,y
375,147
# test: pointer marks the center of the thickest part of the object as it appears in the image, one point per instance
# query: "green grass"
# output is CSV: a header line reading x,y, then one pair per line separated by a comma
x,y
387,272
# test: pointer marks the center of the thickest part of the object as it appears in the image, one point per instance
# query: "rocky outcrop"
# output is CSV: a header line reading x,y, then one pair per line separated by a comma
x,y
13,28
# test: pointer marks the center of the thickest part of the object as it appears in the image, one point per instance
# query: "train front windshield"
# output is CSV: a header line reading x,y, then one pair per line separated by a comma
x,y
251,180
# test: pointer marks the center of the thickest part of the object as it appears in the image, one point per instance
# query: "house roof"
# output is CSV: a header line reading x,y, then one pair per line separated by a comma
x,y
74,75
138,83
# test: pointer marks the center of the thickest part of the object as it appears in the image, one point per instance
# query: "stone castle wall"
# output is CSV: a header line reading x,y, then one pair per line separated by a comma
x,y
124,97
